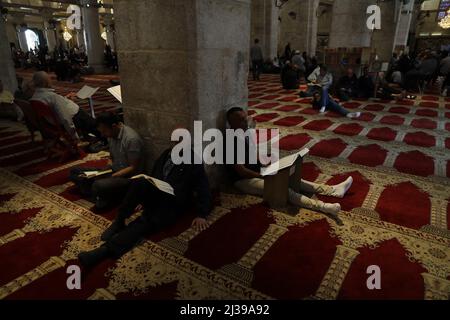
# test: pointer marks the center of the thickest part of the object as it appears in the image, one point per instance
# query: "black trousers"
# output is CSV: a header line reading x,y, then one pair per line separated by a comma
x,y
86,124
159,213
106,187
257,68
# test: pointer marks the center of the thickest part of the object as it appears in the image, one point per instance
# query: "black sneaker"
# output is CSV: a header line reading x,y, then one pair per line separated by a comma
x,y
89,259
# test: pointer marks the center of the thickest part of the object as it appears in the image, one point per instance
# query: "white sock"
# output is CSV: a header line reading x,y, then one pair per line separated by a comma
x,y
341,189
354,115
331,208
322,110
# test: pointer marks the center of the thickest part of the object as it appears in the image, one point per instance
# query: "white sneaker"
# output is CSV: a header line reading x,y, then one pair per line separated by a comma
x,y
353,115
444,93
322,110
341,189
331,208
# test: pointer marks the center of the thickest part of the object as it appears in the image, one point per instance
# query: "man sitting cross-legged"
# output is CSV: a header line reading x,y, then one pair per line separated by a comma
x,y
126,151
347,86
160,209
247,177
320,80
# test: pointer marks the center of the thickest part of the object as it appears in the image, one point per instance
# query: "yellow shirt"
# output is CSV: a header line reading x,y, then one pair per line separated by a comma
x,y
6,97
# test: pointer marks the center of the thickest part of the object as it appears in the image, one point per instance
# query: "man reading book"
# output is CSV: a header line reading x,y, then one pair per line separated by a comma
x,y
162,207
126,152
320,80
248,179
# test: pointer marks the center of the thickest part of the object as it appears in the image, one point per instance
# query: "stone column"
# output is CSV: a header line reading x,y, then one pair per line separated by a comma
x,y
7,72
265,26
404,26
92,36
383,39
348,26
109,29
49,33
194,68
110,38
299,25
49,29
79,34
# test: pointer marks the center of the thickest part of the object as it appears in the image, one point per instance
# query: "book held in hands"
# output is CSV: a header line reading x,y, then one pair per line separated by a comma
x,y
86,92
116,92
284,163
95,174
159,184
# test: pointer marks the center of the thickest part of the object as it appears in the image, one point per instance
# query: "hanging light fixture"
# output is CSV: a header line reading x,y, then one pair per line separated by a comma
x,y
445,22
67,36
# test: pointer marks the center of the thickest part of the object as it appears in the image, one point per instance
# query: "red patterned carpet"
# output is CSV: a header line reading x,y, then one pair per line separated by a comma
x,y
396,215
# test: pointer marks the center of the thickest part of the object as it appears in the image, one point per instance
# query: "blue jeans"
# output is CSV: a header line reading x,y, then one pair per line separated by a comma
x,y
312,89
336,107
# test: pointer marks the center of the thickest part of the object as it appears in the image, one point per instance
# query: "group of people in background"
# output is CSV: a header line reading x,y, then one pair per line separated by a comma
x,y
405,74
68,64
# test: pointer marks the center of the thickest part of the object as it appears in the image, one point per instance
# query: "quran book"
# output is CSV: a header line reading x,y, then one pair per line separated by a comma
x,y
161,185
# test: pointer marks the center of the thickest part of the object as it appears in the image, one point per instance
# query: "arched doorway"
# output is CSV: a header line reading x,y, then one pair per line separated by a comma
x,y
32,39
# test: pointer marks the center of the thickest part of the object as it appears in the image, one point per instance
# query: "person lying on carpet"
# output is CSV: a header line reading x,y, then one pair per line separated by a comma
x,y
160,209
72,117
247,177
126,151
331,105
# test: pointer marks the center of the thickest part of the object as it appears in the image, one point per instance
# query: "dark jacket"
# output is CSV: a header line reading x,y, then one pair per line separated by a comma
x,y
186,179
289,78
349,83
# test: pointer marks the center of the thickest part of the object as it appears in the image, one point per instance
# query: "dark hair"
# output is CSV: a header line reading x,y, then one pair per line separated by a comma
x,y
233,110
108,119
256,40
323,67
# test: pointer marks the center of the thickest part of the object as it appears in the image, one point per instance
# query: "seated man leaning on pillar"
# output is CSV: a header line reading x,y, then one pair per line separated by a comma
x,y
248,179
72,117
126,149
160,209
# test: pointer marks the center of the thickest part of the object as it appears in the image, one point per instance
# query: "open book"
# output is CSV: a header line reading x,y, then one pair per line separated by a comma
x,y
95,174
86,92
116,92
284,163
161,185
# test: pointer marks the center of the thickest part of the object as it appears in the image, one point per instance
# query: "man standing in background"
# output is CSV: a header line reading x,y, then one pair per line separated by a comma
x,y
257,60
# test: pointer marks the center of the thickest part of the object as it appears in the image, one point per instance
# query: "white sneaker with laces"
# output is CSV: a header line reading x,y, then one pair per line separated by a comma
x,y
353,115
